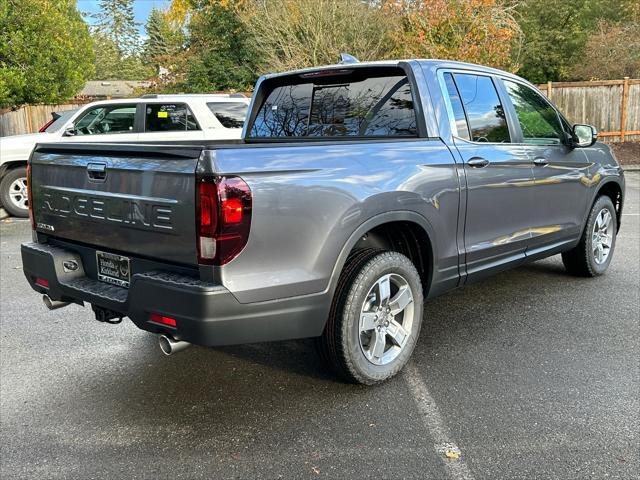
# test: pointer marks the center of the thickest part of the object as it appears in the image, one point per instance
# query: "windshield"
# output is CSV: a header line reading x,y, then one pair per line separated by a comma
x,y
60,121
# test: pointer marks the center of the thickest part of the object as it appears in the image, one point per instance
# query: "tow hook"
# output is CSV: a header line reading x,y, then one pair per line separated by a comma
x,y
169,346
107,316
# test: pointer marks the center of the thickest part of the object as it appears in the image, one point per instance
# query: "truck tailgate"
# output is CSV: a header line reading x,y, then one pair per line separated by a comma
x,y
131,199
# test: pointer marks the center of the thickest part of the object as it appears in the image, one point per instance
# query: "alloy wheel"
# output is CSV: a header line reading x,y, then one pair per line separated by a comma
x,y
386,319
602,236
18,193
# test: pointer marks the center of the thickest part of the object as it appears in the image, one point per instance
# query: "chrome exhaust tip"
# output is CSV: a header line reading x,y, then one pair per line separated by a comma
x,y
53,304
169,346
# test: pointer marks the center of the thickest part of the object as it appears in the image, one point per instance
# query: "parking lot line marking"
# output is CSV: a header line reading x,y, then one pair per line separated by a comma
x,y
443,444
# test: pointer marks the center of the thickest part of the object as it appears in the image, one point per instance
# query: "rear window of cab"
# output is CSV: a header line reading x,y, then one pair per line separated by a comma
x,y
346,103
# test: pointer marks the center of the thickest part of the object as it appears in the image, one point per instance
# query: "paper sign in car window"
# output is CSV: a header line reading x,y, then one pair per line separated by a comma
x,y
163,114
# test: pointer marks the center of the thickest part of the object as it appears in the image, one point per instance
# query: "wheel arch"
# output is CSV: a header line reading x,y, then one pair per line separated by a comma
x,y
406,232
612,189
8,166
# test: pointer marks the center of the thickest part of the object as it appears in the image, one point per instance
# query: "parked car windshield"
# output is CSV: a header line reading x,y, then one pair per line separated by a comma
x,y
340,105
59,122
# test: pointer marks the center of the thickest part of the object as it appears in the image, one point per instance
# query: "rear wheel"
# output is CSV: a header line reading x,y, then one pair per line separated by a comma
x,y
375,318
13,192
592,256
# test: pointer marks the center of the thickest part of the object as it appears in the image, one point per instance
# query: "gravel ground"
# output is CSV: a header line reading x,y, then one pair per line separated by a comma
x,y
530,374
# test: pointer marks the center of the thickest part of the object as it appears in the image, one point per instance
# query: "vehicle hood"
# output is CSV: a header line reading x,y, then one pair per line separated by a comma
x,y
18,147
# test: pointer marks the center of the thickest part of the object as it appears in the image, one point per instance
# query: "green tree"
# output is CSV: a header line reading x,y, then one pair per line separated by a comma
x,y
46,53
612,49
221,53
556,32
156,45
116,21
164,47
611,52
118,44
107,59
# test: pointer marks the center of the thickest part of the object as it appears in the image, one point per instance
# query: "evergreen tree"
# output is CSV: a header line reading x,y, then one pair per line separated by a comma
x,y
118,45
156,45
116,21
164,46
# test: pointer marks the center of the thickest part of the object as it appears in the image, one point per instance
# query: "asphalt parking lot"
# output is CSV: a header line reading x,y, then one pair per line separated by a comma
x,y
531,374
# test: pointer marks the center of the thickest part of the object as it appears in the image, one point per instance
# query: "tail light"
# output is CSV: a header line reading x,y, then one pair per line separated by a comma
x,y
44,127
223,207
32,218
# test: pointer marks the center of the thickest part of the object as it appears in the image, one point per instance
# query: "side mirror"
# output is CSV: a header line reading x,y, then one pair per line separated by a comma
x,y
584,135
69,131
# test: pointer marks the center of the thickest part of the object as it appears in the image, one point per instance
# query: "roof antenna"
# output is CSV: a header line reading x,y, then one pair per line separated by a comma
x,y
346,59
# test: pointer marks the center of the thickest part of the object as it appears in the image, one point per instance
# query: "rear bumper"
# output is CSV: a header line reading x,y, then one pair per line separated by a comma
x,y
206,313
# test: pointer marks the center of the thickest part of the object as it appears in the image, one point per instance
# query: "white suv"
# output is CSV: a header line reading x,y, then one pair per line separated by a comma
x,y
151,118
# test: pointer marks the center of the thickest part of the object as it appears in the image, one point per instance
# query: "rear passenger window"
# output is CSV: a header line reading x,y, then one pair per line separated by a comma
x,y
340,105
485,114
229,114
169,117
462,129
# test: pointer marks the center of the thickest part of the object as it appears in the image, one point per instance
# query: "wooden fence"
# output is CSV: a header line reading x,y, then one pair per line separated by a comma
x,y
612,106
29,118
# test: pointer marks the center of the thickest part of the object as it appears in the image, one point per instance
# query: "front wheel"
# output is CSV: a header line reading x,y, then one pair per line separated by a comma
x,y
592,256
375,318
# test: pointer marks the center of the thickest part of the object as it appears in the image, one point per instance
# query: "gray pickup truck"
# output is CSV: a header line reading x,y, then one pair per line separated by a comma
x,y
358,191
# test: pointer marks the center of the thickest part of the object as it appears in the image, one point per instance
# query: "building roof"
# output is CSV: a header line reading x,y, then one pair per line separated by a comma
x,y
112,88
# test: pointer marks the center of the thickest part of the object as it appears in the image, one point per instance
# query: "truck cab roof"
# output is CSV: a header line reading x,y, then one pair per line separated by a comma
x,y
425,63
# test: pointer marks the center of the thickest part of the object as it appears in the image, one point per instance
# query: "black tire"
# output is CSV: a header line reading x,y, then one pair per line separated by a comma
x,y
340,344
7,202
581,260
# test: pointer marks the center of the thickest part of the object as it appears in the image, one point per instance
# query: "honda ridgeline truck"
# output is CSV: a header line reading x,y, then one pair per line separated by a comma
x,y
358,192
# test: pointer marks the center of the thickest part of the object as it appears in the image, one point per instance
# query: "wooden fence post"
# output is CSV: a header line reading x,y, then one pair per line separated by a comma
x,y
549,90
623,109
27,112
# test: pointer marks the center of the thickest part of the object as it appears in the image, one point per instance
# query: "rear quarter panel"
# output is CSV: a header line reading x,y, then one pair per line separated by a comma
x,y
308,200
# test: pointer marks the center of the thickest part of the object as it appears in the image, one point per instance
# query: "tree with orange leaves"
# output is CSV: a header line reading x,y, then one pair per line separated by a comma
x,y
476,31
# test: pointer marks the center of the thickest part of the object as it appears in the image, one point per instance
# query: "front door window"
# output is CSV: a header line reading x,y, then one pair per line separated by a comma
x,y
107,119
538,120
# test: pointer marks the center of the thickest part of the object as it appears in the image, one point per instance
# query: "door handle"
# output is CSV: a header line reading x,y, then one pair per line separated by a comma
x,y
540,161
478,162
97,171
